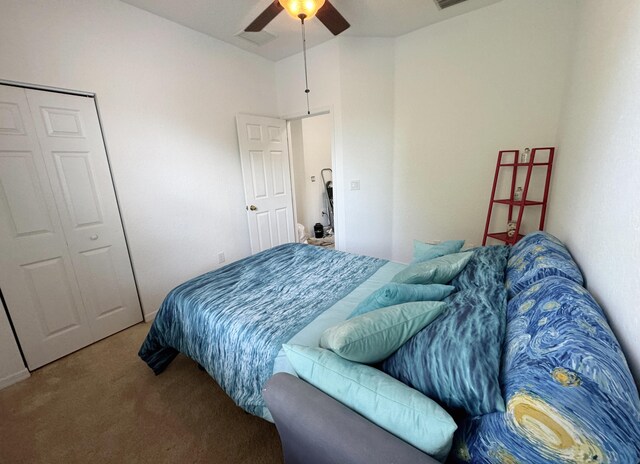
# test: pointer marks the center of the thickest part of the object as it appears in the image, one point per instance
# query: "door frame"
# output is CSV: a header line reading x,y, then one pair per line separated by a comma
x,y
94,96
338,208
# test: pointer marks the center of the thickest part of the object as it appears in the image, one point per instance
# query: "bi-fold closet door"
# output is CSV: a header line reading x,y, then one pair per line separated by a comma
x,y
65,271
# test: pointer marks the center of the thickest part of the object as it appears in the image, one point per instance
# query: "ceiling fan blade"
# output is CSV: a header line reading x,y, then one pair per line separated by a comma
x,y
332,18
265,17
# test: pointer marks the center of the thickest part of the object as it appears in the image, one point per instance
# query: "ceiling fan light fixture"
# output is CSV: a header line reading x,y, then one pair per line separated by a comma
x,y
302,9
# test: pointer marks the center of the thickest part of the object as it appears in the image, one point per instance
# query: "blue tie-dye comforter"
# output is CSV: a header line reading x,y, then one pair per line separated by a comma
x,y
234,320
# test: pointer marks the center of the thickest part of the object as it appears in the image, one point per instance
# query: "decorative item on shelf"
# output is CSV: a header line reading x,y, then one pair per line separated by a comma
x,y
524,156
511,228
517,196
318,230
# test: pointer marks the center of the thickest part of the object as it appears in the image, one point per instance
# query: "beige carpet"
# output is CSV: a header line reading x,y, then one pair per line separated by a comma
x,y
102,404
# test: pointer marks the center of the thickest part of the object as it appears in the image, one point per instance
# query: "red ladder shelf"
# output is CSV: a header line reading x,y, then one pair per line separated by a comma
x,y
523,202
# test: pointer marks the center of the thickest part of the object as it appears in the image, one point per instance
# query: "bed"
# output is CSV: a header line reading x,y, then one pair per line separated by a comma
x,y
233,321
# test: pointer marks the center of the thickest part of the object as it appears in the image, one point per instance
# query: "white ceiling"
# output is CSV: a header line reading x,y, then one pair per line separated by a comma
x,y
223,19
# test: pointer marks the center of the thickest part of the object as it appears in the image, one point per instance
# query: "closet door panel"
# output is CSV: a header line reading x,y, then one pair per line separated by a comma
x,y
74,155
36,273
26,207
74,172
50,285
103,278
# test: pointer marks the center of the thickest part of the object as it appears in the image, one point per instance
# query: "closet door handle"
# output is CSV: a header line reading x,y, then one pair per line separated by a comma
x,y
94,237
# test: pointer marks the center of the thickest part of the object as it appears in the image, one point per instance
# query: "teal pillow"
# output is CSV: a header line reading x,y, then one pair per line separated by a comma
x,y
436,271
390,404
426,251
375,336
393,294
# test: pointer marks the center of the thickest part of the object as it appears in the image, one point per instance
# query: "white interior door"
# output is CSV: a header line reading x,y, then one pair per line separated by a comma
x,y
64,267
264,155
36,274
69,133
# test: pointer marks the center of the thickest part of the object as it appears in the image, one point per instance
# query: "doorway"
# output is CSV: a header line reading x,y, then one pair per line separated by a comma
x,y
312,178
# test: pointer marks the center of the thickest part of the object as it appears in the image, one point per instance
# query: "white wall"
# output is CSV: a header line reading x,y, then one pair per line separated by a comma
x,y
353,78
167,97
367,92
465,88
595,204
12,367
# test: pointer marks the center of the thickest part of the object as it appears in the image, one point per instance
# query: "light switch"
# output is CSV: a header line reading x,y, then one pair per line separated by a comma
x,y
355,185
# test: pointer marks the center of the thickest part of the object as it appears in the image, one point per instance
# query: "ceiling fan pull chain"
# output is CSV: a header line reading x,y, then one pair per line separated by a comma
x,y
304,53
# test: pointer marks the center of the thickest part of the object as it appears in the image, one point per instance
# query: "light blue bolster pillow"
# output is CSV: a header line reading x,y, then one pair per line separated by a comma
x,y
390,404
393,294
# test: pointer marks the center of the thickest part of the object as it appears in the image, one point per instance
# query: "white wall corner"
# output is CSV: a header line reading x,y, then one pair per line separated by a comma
x,y
456,105
14,378
12,368
595,198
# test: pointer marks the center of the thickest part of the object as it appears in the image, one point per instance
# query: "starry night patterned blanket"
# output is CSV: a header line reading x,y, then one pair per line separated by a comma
x,y
234,320
569,395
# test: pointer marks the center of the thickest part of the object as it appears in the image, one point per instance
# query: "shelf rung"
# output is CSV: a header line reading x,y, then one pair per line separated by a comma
x,y
524,164
503,237
506,201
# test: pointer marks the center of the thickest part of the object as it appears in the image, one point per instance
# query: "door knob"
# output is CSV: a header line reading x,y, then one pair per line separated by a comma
x,y
94,237
252,207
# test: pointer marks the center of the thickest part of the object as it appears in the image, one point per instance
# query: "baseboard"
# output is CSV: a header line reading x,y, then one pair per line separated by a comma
x,y
150,316
14,378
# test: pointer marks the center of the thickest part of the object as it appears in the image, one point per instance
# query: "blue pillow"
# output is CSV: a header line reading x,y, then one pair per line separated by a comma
x,y
393,294
456,359
436,271
400,410
536,256
486,267
374,336
426,251
569,394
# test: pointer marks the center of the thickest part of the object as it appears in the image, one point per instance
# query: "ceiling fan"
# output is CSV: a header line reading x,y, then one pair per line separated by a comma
x,y
302,9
